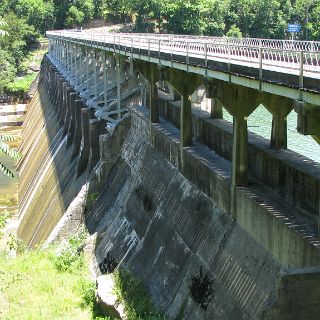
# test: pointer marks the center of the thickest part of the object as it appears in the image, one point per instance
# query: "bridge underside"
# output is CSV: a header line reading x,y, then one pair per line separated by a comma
x,y
183,190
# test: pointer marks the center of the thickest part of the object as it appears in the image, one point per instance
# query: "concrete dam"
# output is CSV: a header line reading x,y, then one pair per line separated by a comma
x,y
219,223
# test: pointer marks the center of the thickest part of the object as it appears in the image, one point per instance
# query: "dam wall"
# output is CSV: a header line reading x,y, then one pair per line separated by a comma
x,y
204,248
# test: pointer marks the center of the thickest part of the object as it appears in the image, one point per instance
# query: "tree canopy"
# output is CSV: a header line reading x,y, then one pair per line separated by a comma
x,y
248,18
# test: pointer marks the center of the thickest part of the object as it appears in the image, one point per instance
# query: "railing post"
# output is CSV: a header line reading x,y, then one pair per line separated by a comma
x,y
229,58
118,86
260,68
149,49
206,55
187,55
105,79
301,73
131,47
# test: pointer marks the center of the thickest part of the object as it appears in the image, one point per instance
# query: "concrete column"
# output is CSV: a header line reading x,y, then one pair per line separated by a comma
x,y
85,146
70,97
216,108
118,66
78,105
153,95
185,120
62,107
95,74
87,71
94,143
279,132
279,107
56,83
240,152
72,122
104,66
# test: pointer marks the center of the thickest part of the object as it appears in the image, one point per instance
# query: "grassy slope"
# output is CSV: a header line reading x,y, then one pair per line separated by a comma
x,y
31,287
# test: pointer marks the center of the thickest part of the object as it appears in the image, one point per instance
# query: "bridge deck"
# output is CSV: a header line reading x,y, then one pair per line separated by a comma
x,y
295,66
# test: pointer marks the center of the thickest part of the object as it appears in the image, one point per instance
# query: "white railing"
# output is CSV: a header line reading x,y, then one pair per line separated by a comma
x,y
295,57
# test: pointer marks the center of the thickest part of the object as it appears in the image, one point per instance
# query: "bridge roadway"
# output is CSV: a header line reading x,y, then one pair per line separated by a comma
x,y
283,67
238,76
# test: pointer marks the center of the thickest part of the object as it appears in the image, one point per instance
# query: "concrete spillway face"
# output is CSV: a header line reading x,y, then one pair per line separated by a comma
x,y
48,176
196,262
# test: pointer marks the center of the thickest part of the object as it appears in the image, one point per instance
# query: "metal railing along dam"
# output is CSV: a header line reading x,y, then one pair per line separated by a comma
x,y
216,57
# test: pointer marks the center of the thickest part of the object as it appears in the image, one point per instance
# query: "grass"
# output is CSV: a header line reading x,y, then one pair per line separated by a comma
x,y
53,283
34,286
133,294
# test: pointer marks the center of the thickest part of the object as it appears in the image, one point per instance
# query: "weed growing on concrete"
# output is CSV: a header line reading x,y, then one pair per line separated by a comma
x,y
133,294
69,254
91,198
201,289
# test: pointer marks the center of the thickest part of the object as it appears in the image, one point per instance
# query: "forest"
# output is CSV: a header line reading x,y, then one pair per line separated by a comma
x,y
24,21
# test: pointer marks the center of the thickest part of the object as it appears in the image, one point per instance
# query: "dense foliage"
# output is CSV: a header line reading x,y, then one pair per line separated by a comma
x,y
249,18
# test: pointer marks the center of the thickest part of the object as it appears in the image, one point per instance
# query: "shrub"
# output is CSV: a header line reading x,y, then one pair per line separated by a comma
x,y
69,255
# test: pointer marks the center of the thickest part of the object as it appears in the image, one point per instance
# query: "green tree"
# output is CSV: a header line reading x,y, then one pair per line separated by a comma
x,y
75,17
7,69
37,13
234,32
18,35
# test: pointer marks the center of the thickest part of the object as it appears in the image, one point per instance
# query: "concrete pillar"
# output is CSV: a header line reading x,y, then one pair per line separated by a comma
x,y
87,71
240,103
70,96
85,146
104,66
62,107
153,95
72,122
95,73
279,107
279,132
94,143
118,66
216,108
240,152
78,105
185,119
308,118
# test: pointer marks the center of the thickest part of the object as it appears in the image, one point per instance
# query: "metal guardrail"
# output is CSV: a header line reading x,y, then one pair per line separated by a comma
x,y
294,57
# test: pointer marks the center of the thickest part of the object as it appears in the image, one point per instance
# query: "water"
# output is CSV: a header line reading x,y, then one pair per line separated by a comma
x,y
259,122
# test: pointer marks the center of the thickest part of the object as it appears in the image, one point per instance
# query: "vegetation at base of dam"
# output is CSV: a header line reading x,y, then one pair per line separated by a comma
x,y
54,283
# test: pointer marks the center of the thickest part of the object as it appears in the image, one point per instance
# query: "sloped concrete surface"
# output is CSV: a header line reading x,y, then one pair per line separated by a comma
x,y
152,220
